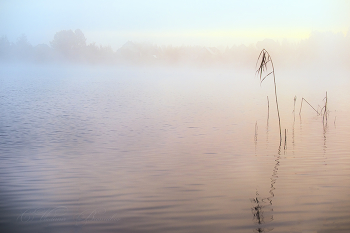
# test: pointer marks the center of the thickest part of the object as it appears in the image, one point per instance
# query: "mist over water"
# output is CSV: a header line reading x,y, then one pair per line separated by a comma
x,y
172,149
149,116
71,47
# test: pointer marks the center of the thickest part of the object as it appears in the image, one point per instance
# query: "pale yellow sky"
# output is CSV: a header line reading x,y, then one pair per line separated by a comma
x,y
190,22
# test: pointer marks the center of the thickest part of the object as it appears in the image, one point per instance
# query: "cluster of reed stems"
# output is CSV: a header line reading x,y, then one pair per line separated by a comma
x,y
324,112
264,65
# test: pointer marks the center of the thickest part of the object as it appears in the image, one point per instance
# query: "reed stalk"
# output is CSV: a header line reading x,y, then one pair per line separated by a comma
x,y
268,111
263,60
324,111
301,105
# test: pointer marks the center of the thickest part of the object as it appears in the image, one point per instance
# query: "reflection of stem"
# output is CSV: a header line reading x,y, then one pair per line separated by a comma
x,y
256,132
324,146
295,99
325,127
285,139
274,172
259,206
258,210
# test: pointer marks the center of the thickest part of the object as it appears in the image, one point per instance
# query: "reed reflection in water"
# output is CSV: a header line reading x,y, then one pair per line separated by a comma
x,y
262,207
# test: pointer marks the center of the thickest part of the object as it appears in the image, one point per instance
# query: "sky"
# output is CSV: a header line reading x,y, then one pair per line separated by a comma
x,y
179,22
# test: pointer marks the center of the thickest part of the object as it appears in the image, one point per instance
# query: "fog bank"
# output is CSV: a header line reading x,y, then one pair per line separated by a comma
x,y
68,46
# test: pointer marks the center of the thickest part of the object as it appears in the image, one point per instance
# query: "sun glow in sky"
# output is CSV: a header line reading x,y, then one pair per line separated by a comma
x,y
175,22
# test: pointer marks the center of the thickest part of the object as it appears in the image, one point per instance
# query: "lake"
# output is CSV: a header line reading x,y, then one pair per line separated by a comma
x,y
101,149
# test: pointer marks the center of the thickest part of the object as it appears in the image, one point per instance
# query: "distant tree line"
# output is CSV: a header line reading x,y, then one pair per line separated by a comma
x,y
70,46
66,46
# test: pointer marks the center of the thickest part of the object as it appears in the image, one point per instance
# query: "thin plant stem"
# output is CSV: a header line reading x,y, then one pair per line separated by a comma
x,y
278,111
325,111
265,59
268,111
301,105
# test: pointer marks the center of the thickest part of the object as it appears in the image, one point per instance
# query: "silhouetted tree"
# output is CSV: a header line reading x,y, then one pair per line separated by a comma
x,y
5,48
43,53
23,50
69,44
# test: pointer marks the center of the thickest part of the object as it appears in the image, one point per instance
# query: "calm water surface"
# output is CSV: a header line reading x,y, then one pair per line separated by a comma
x,y
171,150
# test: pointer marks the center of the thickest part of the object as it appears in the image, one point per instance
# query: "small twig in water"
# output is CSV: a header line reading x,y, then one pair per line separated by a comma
x,y
301,105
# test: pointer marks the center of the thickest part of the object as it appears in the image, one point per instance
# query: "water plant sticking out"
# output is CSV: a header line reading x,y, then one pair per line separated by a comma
x,y
301,105
268,111
324,112
262,63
